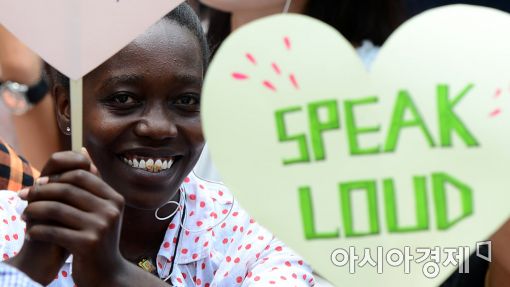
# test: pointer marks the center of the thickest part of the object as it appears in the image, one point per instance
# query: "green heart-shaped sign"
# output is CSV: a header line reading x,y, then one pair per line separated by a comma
x,y
326,155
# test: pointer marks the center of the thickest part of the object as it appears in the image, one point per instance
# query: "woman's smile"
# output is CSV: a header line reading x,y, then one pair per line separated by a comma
x,y
151,167
149,172
154,165
149,159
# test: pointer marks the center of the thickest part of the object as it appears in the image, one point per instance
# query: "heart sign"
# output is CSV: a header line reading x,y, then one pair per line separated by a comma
x,y
76,36
384,177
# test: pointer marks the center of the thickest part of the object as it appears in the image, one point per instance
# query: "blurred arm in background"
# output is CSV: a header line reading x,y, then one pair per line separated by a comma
x,y
36,133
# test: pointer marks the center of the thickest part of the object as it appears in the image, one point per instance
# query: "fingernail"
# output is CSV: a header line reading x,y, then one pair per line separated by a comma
x,y
23,193
93,169
27,237
42,180
23,217
85,152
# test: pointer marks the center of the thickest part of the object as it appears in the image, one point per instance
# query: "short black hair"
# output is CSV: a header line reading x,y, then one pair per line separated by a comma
x,y
183,15
186,17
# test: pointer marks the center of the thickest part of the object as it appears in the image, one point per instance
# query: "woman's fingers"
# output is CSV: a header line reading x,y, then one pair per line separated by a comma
x,y
63,161
64,193
88,201
78,170
60,214
77,231
91,183
74,241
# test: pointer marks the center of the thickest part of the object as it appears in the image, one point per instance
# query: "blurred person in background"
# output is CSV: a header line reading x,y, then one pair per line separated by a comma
x,y
15,171
26,110
357,21
417,6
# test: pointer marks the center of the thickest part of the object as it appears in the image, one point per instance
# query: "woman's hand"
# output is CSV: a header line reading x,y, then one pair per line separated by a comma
x,y
78,211
42,260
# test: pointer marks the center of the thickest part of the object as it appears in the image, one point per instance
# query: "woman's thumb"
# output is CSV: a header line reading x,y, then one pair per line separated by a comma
x,y
93,168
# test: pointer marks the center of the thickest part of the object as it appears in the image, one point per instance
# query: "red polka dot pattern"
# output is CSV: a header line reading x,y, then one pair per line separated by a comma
x,y
214,250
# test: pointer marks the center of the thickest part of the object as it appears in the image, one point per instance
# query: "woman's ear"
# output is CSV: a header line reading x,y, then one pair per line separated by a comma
x,y
63,108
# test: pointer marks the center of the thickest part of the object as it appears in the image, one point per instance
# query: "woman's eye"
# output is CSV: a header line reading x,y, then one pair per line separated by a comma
x,y
121,102
187,103
122,99
187,100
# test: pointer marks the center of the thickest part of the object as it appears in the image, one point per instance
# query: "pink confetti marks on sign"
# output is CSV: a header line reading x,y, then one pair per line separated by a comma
x,y
287,42
269,85
294,81
275,67
239,76
497,94
497,111
251,58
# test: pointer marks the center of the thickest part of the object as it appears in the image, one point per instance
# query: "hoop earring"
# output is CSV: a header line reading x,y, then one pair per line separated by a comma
x,y
171,214
287,6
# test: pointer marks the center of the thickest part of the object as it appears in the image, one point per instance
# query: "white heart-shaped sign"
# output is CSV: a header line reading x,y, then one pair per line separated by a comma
x,y
406,158
76,36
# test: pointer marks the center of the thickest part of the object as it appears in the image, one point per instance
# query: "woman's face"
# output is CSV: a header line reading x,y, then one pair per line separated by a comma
x,y
141,114
239,5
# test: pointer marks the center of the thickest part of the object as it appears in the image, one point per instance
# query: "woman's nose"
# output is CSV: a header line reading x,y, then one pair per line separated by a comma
x,y
156,124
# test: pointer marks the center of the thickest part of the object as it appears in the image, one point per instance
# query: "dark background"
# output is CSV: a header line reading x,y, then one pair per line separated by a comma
x,y
417,6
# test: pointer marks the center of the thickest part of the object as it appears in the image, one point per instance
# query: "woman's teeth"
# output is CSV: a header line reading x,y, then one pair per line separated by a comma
x,y
151,165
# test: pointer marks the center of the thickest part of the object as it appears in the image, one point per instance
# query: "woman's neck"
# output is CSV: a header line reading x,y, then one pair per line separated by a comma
x,y
142,234
241,17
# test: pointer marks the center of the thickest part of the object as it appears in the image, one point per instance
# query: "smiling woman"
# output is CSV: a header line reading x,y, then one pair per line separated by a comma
x,y
143,106
132,200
